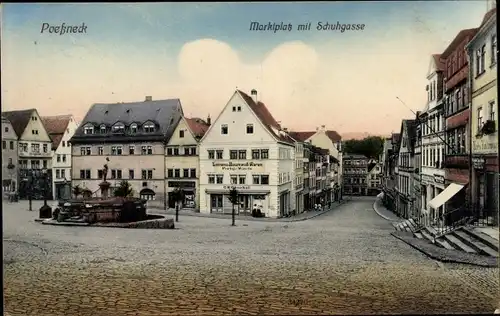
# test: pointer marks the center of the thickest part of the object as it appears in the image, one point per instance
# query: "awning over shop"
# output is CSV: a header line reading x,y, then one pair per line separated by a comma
x,y
446,195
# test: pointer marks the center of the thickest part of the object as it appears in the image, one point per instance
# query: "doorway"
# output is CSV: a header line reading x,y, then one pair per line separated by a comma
x,y
216,203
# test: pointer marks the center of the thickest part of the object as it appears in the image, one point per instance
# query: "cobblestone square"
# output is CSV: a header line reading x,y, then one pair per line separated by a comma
x,y
342,262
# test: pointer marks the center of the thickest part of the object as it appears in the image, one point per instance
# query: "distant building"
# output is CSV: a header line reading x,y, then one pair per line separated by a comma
x,y
34,154
60,128
405,169
483,50
355,171
133,136
374,178
182,161
245,148
389,161
9,157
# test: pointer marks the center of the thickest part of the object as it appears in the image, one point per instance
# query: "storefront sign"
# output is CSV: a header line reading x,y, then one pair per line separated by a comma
x,y
427,179
438,179
238,166
478,162
237,187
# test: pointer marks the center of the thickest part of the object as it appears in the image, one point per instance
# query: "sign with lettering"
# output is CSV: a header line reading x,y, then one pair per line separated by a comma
x,y
484,146
237,187
478,162
238,166
438,179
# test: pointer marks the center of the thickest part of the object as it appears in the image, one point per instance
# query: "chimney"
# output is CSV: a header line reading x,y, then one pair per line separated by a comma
x,y
209,120
253,93
149,98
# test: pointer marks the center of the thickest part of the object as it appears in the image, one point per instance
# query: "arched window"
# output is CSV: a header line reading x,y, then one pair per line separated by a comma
x,y
147,194
119,127
133,128
88,129
149,127
102,129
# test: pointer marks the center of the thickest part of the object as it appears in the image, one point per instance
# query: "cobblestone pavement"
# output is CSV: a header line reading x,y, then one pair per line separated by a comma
x,y
343,262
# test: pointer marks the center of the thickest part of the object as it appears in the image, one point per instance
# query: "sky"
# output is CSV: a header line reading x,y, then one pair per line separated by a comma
x,y
200,53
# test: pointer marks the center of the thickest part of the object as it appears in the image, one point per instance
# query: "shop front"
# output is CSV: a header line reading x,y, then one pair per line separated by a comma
x,y
485,196
189,190
249,197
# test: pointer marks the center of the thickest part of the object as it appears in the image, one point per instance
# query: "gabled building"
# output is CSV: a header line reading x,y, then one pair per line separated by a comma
x,y
245,148
416,194
182,161
130,138
34,153
298,181
374,178
389,175
9,158
60,128
432,127
405,169
354,174
483,53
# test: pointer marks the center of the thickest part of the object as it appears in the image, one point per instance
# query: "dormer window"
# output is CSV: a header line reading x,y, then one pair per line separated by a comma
x,y
133,128
88,129
119,128
102,129
149,127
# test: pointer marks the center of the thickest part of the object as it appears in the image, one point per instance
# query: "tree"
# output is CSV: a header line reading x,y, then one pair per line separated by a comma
x,y
124,189
370,147
234,199
178,197
77,191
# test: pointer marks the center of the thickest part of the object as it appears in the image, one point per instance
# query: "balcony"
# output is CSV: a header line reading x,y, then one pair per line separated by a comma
x,y
457,162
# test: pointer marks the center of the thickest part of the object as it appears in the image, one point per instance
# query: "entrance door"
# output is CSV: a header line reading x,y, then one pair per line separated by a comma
x,y
245,203
216,203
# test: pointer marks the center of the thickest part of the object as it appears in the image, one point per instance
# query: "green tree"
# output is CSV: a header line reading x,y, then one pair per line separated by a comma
x,y
371,146
124,189
178,197
234,199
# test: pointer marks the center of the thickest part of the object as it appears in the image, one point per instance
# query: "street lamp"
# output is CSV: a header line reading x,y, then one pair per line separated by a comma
x,y
45,210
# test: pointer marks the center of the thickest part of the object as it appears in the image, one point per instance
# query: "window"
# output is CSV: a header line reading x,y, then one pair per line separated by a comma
x,y
11,145
241,179
176,151
211,179
133,128
239,108
255,154
234,109
249,128
85,174
4,144
131,174
177,173
150,150
99,173
493,50
88,130
150,174
233,154
100,150
118,128
479,118
58,174
219,178
85,151
223,129
113,174
256,179
131,150
146,174
242,154
58,158
480,60
491,111
181,134
102,129
170,173
113,150
185,173
119,150
64,143
46,148
6,129
149,128
63,173
118,174
459,98
264,154
186,151
143,150
211,154
64,158
219,154
169,151
234,179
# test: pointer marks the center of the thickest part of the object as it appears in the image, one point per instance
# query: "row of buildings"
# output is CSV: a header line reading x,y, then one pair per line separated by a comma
x,y
157,149
442,168
361,175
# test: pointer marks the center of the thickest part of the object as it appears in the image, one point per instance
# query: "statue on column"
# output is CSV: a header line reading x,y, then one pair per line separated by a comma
x,y
105,170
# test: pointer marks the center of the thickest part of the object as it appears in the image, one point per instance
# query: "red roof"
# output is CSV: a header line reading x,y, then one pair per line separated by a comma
x,y
19,119
488,15
266,118
197,126
55,127
438,61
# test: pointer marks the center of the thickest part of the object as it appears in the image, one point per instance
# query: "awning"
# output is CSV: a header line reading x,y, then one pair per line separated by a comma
x,y
446,195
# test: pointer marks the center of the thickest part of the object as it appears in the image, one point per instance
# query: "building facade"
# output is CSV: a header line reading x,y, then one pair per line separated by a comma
x,y
417,165
34,154
432,127
389,176
374,178
182,162
246,149
405,169
9,157
130,138
299,176
482,52
355,170
457,112
60,128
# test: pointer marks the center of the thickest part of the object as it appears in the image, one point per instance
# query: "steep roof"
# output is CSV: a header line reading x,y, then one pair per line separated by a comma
x,y
266,118
164,113
487,16
197,126
411,130
438,62
55,127
19,119
460,36
303,136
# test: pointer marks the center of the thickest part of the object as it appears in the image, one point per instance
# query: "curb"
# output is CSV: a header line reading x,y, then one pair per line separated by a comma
x,y
316,215
383,216
441,259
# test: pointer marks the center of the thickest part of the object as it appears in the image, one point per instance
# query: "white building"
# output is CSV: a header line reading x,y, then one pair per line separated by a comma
x,y
182,161
60,128
246,148
432,149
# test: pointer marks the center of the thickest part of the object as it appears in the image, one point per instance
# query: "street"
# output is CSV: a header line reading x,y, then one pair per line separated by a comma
x,y
342,262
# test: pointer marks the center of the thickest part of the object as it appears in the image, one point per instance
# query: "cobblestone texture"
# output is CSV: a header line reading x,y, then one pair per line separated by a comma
x,y
343,262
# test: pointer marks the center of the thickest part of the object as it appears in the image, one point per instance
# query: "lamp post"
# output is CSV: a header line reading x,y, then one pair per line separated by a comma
x,y
45,210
